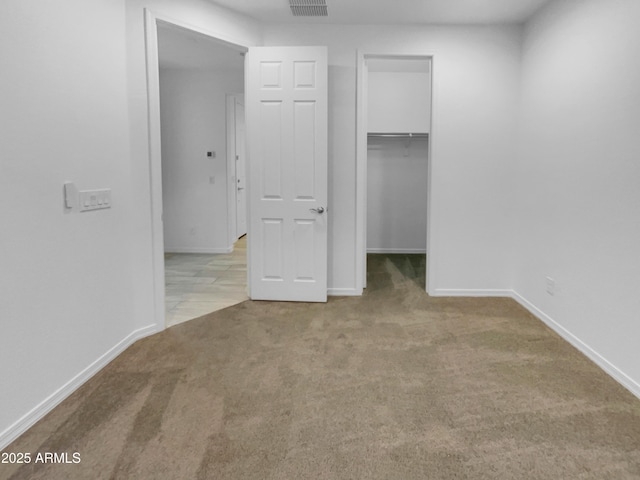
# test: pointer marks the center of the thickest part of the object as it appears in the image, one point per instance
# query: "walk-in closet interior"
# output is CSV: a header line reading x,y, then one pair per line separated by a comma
x,y
398,126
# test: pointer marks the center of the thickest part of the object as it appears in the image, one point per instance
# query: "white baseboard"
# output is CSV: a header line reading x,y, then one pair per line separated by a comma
x,y
168,249
613,371
344,292
396,250
49,403
609,368
465,292
30,418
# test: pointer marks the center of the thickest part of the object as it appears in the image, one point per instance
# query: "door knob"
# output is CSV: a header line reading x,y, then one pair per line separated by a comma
x,y
317,210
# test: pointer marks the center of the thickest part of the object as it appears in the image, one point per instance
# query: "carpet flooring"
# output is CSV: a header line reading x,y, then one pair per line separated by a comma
x,y
391,385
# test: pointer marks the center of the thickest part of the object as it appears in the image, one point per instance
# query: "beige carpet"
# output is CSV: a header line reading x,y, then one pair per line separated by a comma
x,y
391,385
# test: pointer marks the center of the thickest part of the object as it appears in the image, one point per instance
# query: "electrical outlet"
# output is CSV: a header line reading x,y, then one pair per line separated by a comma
x,y
551,285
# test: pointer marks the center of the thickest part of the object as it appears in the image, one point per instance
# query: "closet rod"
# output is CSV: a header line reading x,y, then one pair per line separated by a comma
x,y
398,135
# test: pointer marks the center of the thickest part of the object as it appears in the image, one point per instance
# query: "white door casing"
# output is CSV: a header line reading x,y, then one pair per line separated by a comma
x,y
361,167
286,120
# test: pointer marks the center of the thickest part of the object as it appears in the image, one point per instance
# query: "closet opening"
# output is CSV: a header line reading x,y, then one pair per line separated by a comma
x,y
395,121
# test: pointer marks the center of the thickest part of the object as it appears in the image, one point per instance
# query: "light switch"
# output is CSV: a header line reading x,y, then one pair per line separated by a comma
x,y
95,199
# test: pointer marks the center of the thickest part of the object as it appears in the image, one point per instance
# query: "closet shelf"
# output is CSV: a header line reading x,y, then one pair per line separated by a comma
x,y
397,135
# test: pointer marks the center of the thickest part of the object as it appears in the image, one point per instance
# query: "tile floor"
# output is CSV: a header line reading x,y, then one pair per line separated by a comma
x,y
197,284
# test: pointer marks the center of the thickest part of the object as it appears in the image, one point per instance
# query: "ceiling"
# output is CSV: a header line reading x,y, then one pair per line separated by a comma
x,y
185,49
394,11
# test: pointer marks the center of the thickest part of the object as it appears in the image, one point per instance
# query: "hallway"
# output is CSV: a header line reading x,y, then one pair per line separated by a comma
x,y
197,284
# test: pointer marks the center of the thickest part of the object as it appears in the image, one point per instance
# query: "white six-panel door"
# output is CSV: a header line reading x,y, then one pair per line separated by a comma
x,y
286,119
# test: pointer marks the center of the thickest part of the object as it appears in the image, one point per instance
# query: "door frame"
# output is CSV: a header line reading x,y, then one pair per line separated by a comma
x,y
151,20
361,164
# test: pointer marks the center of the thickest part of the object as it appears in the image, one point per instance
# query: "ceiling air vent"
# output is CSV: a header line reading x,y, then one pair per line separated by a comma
x,y
308,8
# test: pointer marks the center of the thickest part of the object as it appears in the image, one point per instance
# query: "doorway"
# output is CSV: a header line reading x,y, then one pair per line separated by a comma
x,y
304,89
204,268
394,145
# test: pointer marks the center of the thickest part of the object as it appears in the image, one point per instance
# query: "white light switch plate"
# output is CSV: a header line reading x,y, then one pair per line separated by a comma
x,y
95,199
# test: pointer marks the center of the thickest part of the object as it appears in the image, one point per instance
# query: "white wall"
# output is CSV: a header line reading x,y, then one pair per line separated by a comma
x,y
476,86
399,102
193,113
76,287
66,282
397,195
578,195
